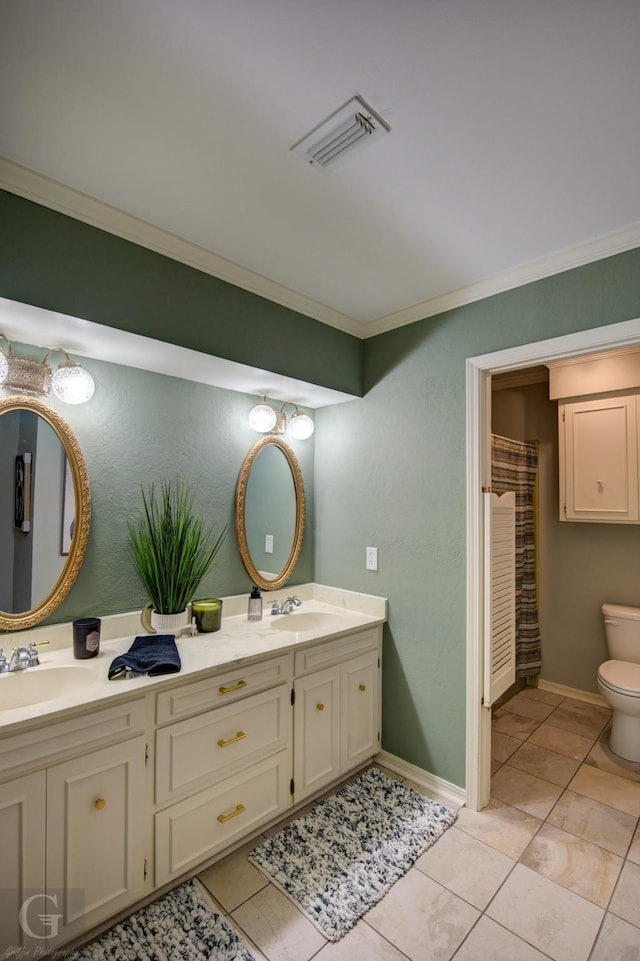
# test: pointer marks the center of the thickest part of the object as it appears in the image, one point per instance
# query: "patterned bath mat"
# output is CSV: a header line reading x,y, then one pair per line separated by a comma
x,y
181,926
340,859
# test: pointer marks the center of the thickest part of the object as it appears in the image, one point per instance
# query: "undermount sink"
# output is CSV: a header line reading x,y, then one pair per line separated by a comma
x,y
23,688
307,621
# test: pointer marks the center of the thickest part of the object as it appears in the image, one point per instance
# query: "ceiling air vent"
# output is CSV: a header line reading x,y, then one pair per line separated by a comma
x,y
345,133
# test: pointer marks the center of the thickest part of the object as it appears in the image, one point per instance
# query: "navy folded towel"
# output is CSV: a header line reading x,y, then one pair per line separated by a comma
x,y
156,654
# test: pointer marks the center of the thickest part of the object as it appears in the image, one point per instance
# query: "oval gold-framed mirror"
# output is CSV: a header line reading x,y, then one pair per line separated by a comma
x,y
270,512
46,510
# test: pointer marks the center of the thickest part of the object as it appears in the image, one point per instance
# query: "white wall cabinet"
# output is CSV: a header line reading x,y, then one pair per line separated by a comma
x,y
337,711
598,444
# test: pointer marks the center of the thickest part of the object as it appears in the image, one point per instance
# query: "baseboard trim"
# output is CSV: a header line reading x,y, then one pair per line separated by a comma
x,y
443,791
574,692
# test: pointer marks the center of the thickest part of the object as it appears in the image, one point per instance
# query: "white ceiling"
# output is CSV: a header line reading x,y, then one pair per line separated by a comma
x,y
514,148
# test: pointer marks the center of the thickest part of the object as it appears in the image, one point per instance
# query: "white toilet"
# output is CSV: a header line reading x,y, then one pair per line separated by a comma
x,y
619,678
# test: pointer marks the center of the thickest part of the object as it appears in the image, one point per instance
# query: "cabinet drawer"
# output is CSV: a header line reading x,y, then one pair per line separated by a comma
x,y
52,741
323,655
229,685
191,831
204,749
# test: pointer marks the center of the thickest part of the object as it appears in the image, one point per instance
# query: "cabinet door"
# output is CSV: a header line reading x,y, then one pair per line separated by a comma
x,y
95,835
360,710
22,831
599,462
316,747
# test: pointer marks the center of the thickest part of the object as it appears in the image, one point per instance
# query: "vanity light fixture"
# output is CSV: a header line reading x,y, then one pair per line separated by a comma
x,y
300,425
267,420
262,417
71,383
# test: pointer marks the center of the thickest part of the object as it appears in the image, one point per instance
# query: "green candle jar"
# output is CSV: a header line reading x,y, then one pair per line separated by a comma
x,y
208,614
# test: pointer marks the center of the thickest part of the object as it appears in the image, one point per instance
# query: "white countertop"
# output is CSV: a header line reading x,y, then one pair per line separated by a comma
x,y
238,640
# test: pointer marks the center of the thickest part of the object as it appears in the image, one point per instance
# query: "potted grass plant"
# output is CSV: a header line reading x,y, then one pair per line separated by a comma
x,y
171,549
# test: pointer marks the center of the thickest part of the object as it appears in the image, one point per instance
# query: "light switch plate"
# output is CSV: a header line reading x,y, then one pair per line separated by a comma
x,y
268,543
372,558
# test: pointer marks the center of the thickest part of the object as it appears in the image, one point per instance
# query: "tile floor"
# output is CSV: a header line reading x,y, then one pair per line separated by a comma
x,y
550,869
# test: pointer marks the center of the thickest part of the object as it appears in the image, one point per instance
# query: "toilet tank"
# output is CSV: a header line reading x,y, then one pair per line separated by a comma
x,y
622,628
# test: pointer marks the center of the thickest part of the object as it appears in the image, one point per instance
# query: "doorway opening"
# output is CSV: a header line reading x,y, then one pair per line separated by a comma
x,y
478,434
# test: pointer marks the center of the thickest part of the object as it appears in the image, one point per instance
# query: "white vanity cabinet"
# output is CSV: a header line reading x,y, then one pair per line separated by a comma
x,y
71,833
336,709
102,804
222,772
598,446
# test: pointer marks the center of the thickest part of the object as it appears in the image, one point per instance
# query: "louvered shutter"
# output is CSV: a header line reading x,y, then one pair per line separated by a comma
x,y
500,592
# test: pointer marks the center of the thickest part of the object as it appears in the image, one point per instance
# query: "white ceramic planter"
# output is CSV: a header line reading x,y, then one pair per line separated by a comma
x,y
165,623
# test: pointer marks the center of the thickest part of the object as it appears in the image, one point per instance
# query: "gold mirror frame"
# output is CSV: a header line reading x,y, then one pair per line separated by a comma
x,y
241,498
82,494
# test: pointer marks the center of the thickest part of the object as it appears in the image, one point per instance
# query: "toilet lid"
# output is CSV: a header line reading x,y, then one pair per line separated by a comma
x,y
621,676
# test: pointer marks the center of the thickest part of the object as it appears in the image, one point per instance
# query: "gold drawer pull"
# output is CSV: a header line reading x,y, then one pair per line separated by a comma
x,y
99,804
363,687
320,707
240,809
232,740
233,687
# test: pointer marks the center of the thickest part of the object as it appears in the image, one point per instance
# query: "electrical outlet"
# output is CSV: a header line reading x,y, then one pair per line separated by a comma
x,y
372,558
268,543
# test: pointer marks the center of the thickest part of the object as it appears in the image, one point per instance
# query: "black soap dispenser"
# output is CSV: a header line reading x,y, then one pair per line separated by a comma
x,y
255,604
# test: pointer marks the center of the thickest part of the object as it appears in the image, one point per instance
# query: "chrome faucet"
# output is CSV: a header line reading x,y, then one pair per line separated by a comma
x,y
21,658
287,607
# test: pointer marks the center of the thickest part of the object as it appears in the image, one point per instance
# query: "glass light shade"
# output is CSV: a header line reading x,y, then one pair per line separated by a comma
x,y
262,418
72,383
4,367
300,426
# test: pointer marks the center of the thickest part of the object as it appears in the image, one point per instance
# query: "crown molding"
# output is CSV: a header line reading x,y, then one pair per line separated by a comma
x,y
57,196
607,245
51,193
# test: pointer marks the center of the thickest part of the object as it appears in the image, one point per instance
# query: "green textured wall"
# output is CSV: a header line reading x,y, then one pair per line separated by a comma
x,y
389,468
390,473
53,261
141,427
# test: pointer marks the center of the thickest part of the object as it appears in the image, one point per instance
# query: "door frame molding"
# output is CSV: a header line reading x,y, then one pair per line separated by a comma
x,y
478,433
